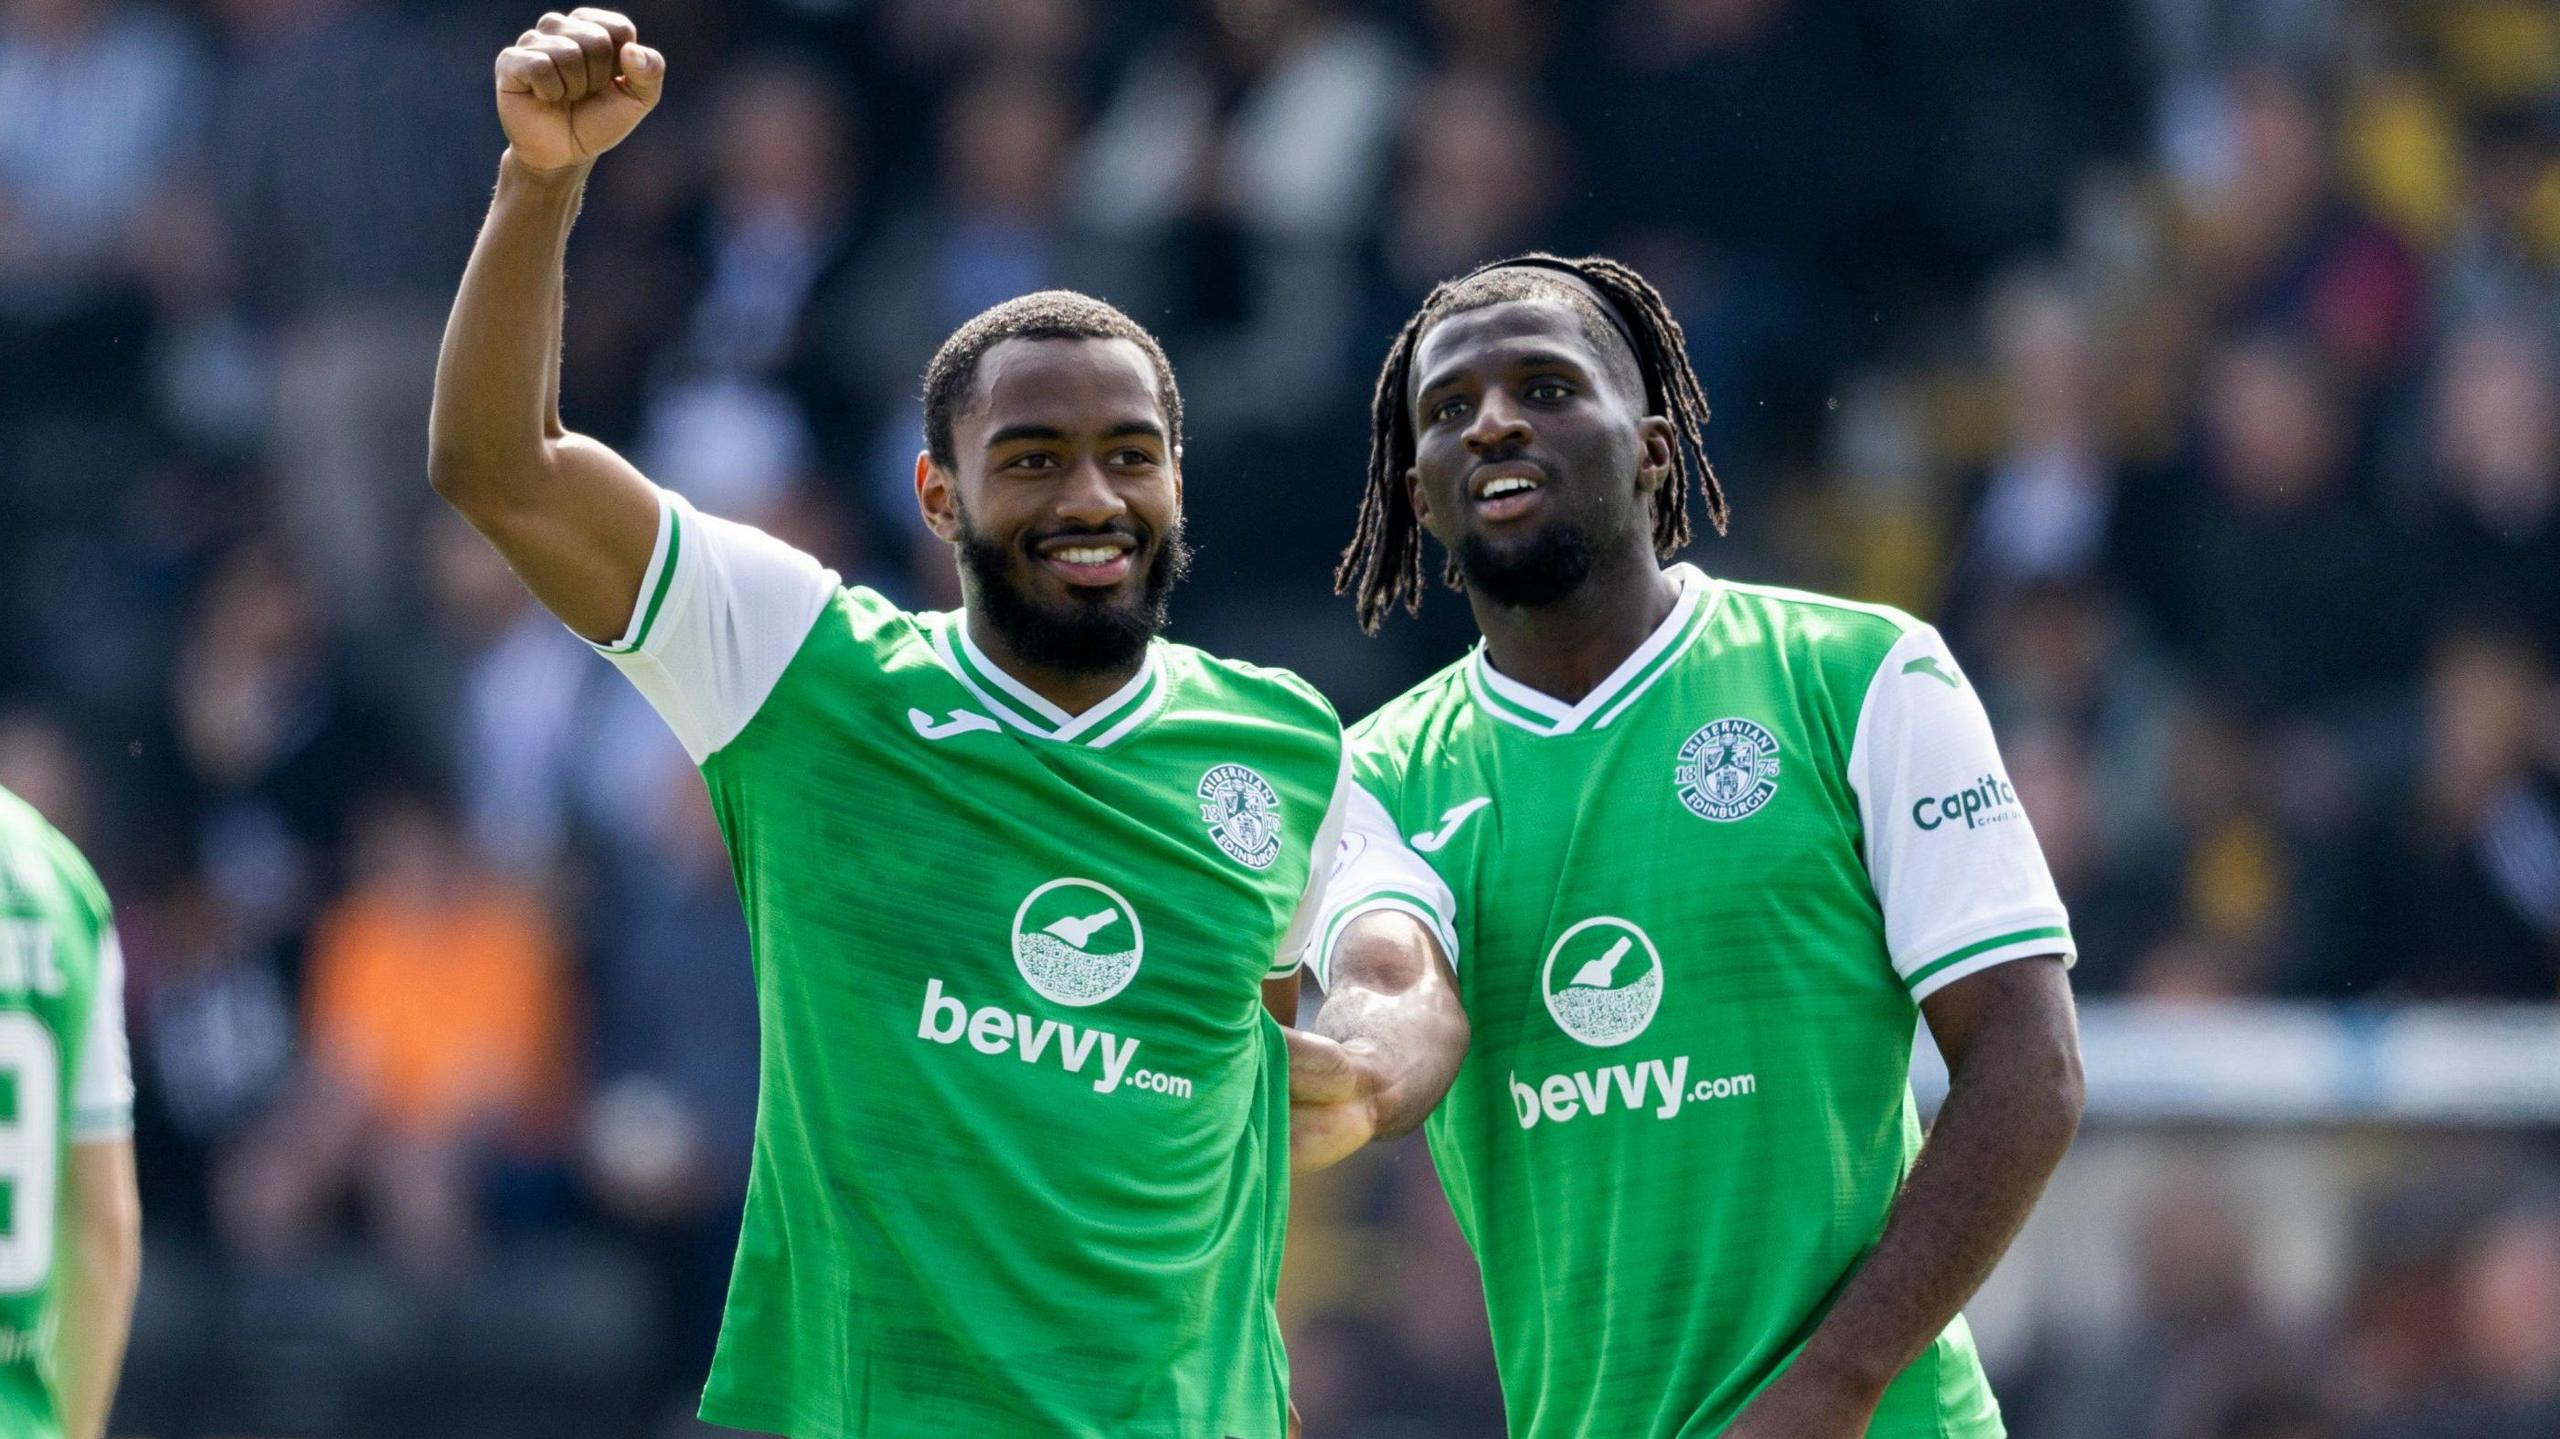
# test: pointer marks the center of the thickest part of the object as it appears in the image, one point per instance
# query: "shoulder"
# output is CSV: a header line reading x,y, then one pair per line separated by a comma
x,y
1240,686
1384,742
1826,625
1832,651
32,851
1418,711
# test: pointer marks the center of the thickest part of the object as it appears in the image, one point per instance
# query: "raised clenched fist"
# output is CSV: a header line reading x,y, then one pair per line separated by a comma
x,y
574,85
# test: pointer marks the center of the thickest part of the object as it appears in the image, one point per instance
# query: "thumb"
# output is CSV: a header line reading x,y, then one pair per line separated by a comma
x,y
1321,1071
644,73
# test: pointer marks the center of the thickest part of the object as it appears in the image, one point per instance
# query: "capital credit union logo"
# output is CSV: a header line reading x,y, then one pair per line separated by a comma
x,y
1243,814
1990,799
1728,770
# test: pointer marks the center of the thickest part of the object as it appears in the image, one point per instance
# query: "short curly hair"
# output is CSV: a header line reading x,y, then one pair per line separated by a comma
x,y
1040,315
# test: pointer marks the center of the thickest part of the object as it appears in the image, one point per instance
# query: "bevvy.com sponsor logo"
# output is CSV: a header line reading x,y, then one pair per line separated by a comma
x,y
1077,943
1988,800
1603,984
1659,1087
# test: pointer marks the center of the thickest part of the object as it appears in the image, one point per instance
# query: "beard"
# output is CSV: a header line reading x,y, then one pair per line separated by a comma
x,y
1094,629
1541,571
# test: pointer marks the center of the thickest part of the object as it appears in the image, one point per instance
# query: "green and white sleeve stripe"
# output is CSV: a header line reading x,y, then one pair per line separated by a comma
x,y
721,611
2016,940
1400,901
1374,869
654,581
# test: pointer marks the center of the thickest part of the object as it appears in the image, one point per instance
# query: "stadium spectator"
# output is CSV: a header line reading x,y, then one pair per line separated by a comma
x,y
440,1033
2492,517
349,197
94,103
2266,546
2276,242
2199,1340
2462,882
2509,1298
2044,508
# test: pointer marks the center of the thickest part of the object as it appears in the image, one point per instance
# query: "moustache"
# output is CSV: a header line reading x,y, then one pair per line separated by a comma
x,y
1136,535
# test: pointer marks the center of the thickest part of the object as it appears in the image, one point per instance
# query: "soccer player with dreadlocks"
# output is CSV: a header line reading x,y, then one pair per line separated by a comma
x,y
1712,848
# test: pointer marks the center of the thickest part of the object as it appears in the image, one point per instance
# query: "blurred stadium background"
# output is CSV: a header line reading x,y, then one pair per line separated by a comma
x,y
2191,361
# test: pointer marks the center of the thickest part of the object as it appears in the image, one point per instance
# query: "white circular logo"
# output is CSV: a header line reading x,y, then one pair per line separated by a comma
x,y
1077,941
1603,981
1727,770
1242,811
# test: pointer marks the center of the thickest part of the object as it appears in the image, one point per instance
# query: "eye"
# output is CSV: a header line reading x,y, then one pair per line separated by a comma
x,y
1446,410
1033,460
1132,459
1549,391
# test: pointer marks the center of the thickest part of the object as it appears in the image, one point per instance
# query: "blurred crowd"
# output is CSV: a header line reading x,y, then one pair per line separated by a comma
x,y
2191,362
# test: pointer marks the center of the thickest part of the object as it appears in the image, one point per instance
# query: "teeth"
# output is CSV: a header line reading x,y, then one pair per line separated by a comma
x,y
1509,484
1089,555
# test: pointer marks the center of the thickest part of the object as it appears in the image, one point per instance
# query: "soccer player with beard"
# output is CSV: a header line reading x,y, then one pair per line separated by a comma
x,y
1020,878
1714,847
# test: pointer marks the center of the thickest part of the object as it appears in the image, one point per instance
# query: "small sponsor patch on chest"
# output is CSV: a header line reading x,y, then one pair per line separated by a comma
x,y
1242,812
1728,770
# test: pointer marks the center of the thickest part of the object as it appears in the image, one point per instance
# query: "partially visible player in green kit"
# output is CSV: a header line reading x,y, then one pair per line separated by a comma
x,y
70,1221
1021,878
1714,849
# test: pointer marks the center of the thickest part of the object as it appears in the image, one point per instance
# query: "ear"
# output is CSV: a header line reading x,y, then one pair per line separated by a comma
x,y
1660,454
934,497
1177,479
1421,504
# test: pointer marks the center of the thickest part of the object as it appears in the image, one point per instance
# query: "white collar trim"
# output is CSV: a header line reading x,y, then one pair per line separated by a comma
x,y
1505,697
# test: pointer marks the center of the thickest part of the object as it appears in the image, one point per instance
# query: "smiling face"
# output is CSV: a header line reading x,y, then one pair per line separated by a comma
x,y
1064,496
1534,461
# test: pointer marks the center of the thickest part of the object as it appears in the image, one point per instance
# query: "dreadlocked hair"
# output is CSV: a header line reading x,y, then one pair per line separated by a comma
x,y
1382,567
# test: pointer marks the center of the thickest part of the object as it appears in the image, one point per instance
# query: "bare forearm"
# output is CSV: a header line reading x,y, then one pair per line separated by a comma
x,y
498,378
1395,1007
102,1268
2012,1106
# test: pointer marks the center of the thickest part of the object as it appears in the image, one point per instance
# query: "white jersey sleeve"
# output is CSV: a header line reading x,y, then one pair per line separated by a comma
x,y
102,1089
1320,863
1374,869
1948,847
722,610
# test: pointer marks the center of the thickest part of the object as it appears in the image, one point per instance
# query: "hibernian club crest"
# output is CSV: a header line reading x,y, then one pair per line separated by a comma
x,y
1728,770
1243,814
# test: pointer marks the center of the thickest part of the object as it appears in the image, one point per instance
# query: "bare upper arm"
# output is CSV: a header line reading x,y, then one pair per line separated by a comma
x,y
578,531
2025,1001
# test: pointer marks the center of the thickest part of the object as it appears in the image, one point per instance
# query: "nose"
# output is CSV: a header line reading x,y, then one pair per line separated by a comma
x,y
1088,498
1498,425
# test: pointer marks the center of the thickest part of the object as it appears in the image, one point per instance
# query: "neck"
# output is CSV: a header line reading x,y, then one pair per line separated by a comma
x,y
1074,691
1567,648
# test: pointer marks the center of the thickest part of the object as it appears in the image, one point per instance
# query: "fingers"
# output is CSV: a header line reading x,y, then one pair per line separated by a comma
x,y
617,26
525,70
535,52
591,71
644,73
1320,1069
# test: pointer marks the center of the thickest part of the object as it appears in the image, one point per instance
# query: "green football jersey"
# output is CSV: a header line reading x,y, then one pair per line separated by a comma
x,y
65,1079
1020,1162
1697,910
